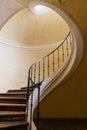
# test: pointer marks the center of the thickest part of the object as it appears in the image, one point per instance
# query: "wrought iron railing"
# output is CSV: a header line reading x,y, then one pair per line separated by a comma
x,y
43,68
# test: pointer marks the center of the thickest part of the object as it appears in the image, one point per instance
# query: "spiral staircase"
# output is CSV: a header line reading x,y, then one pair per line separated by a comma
x,y
14,105
13,110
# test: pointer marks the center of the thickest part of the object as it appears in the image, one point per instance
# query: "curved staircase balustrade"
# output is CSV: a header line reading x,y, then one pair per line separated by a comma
x,y
47,65
44,67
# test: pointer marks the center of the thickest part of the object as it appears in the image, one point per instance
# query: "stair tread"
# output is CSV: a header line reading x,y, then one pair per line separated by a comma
x,y
25,88
9,113
12,124
13,93
11,104
16,92
13,110
13,98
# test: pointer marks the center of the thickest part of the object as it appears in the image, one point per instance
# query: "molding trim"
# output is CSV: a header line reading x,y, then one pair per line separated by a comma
x,y
2,42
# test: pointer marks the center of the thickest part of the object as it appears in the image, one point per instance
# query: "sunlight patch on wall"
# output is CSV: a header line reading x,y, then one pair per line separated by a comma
x,y
39,9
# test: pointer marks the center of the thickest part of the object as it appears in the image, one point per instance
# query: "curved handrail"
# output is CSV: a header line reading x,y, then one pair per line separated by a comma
x,y
51,51
46,66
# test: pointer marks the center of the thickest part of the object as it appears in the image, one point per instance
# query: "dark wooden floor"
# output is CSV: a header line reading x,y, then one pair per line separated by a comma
x,y
62,124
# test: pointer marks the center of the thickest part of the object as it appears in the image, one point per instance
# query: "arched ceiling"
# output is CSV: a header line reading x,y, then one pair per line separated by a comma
x,y
23,28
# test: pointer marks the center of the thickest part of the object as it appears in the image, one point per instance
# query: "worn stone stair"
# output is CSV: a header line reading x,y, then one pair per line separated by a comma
x,y
13,110
12,107
13,115
12,94
14,125
6,99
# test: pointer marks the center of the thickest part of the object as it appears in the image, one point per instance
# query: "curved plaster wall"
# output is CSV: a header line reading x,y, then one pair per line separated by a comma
x,y
14,62
71,66
14,66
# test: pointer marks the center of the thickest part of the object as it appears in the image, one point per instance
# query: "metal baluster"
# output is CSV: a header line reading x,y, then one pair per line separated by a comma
x,y
53,61
70,40
32,73
35,73
67,47
39,73
27,102
38,108
48,65
58,59
43,68
63,52
31,105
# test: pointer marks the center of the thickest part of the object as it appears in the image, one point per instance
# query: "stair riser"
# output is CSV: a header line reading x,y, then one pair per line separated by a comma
x,y
25,93
13,95
23,88
12,101
25,127
16,91
13,118
19,94
8,108
29,88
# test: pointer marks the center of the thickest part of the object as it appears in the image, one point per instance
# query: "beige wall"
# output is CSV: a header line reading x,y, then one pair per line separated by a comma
x,y
14,65
26,29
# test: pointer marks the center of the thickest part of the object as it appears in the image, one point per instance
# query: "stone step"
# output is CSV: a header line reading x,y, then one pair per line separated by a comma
x,y
30,88
19,100
17,90
12,107
13,94
14,125
12,116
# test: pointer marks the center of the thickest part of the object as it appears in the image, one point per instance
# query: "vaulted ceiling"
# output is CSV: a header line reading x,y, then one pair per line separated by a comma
x,y
21,27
